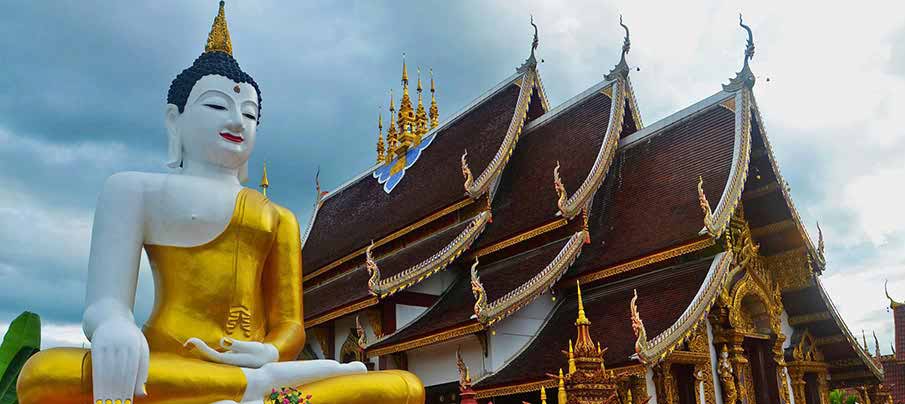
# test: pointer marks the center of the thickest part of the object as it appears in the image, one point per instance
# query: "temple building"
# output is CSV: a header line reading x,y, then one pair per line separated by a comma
x,y
894,363
576,254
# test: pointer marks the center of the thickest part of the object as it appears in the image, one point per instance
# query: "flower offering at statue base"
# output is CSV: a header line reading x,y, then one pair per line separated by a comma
x,y
287,395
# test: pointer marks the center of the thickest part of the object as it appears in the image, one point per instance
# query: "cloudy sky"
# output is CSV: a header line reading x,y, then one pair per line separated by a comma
x,y
83,86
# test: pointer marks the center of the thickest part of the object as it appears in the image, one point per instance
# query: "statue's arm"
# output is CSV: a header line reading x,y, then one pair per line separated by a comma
x,y
283,289
116,242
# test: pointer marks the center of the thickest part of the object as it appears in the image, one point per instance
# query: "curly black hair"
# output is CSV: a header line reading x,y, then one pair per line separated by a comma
x,y
216,62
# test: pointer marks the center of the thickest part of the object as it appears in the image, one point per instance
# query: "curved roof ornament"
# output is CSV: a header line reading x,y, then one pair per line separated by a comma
x,y
531,62
621,69
744,78
892,303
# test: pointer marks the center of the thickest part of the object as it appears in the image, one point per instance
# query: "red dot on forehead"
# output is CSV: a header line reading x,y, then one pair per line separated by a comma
x,y
236,89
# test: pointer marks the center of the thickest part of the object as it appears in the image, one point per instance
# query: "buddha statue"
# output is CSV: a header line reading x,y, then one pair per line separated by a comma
x,y
226,324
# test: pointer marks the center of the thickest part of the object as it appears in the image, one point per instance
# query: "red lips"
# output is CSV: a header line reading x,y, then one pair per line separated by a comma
x,y
232,138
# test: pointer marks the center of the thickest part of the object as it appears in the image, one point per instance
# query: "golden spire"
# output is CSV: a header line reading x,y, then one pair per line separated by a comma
x,y
582,320
434,111
265,183
561,391
571,358
406,118
420,115
391,133
218,39
380,148
543,395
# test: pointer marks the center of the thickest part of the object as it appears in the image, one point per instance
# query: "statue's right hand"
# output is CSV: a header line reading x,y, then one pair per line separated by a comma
x,y
119,361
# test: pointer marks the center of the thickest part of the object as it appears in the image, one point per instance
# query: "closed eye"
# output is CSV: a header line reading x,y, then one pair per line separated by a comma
x,y
249,116
215,106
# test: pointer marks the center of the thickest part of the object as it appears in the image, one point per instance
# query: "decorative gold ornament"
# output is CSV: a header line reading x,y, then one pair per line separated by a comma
x,y
434,110
705,206
218,39
478,290
373,270
464,374
638,326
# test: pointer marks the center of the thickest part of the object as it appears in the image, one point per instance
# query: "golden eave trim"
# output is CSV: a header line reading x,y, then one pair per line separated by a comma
x,y
393,236
570,207
435,263
342,311
534,287
520,238
739,172
482,183
658,348
459,331
646,260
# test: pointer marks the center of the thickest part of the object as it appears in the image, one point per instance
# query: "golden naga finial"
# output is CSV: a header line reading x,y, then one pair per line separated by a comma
x,y
638,327
543,395
380,148
218,40
373,271
892,303
464,374
876,345
708,214
466,172
477,289
265,183
434,111
560,189
362,336
581,320
820,244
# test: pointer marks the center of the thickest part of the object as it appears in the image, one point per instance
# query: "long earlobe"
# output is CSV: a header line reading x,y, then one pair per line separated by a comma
x,y
174,149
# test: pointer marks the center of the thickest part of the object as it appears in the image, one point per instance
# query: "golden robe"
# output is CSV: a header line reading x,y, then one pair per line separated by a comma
x,y
244,284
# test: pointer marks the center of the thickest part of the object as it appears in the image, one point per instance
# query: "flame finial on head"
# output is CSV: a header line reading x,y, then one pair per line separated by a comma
x,y
218,39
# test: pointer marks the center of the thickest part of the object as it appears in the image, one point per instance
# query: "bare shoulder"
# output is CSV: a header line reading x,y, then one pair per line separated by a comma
x,y
131,184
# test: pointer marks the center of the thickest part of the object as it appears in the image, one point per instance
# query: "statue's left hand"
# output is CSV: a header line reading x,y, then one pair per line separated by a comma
x,y
246,354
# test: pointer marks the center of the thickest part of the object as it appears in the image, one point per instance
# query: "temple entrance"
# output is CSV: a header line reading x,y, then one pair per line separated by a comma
x,y
763,370
685,383
811,388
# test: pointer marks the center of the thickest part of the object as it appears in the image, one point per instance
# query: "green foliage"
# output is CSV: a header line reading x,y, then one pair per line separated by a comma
x,y
851,400
22,340
836,397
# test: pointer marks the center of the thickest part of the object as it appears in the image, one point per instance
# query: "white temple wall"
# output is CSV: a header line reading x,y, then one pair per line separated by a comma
x,y
435,284
405,314
512,334
714,363
651,387
787,330
436,364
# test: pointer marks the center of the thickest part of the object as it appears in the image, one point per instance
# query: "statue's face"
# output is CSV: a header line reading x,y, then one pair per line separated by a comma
x,y
219,122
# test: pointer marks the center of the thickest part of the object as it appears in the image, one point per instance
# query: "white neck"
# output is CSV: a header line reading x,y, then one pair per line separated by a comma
x,y
211,171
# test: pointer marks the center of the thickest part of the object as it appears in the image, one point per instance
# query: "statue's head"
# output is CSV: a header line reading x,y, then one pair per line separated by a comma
x,y
213,108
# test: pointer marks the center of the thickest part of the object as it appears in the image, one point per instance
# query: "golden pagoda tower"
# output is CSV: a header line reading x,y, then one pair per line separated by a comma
x,y
380,149
434,111
588,381
420,114
406,118
392,141
265,183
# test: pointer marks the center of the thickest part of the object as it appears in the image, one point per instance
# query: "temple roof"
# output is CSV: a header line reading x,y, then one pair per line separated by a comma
x,y
649,203
812,309
350,217
572,136
455,309
351,287
670,290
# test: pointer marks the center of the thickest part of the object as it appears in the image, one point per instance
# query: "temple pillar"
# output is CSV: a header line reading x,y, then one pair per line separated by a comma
x,y
700,343
781,380
798,385
638,388
667,390
742,368
824,388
